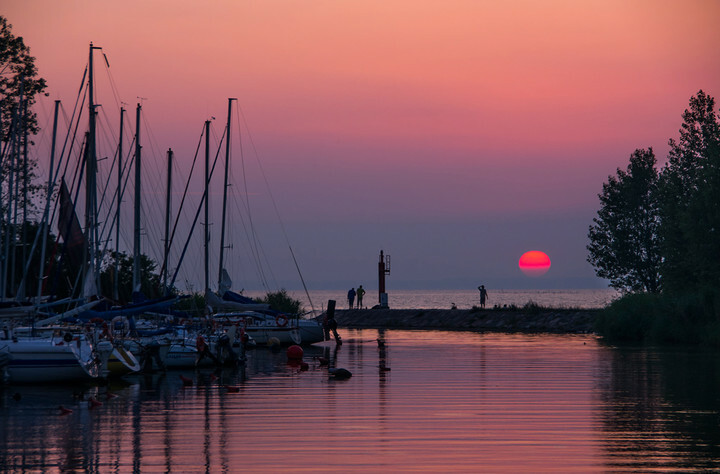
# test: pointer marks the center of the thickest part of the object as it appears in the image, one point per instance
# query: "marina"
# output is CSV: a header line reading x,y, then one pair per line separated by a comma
x,y
422,401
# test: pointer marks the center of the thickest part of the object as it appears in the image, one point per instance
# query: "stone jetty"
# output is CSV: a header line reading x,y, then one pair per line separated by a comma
x,y
558,321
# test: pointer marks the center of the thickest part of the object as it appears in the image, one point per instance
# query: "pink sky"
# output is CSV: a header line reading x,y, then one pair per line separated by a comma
x,y
454,135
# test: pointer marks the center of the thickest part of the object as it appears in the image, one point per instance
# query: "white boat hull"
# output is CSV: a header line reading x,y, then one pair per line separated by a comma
x,y
46,360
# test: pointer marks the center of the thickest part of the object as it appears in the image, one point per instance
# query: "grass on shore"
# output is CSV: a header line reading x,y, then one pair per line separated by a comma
x,y
528,308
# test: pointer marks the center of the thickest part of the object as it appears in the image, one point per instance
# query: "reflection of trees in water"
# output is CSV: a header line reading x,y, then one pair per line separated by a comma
x,y
662,408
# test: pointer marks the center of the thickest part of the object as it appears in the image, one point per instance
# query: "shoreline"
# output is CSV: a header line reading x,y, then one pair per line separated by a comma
x,y
556,321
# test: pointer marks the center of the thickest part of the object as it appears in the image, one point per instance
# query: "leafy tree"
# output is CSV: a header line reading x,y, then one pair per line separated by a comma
x,y
690,201
18,80
624,244
149,279
17,71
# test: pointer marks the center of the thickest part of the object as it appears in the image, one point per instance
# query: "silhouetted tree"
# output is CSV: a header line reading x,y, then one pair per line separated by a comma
x,y
18,80
149,279
281,301
690,201
624,244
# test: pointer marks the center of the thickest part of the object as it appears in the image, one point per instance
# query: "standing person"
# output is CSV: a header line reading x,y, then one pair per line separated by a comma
x,y
351,298
360,293
483,295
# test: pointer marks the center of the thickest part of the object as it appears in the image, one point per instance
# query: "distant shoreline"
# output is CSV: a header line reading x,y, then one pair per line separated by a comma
x,y
556,321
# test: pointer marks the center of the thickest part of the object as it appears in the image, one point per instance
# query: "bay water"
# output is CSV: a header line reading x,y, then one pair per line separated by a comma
x,y
417,401
463,299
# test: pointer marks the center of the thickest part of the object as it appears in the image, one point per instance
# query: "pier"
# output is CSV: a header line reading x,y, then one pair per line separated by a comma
x,y
557,321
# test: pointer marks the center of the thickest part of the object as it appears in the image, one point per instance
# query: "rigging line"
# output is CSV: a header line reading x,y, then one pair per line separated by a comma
x,y
101,203
76,119
185,192
197,214
111,80
254,244
153,226
255,253
272,199
128,163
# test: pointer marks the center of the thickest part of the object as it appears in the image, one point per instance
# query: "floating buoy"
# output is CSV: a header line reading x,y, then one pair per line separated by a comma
x,y
186,381
94,402
294,352
232,388
340,374
64,411
304,366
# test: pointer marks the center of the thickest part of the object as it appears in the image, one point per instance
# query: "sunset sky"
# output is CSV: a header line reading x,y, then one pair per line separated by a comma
x,y
453,135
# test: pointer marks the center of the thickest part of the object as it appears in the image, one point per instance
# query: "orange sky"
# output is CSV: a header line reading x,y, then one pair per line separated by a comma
x,y
503,116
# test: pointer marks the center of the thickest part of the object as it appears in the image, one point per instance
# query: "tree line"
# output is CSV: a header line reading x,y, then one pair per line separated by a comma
x,y
656,236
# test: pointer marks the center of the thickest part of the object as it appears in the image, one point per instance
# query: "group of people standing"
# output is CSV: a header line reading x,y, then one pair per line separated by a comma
x,y
352,293
360,292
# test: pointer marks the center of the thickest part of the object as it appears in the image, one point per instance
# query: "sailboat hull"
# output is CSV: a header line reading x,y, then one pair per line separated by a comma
x,y
43,361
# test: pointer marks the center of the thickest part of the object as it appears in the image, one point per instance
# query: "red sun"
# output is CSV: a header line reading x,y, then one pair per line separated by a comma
x,y
534,263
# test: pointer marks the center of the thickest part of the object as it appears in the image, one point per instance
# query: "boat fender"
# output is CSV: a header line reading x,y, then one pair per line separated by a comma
x,y
281,320
106,334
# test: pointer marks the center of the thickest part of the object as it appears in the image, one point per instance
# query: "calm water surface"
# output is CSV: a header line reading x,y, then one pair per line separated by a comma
x,y
463,299
452,402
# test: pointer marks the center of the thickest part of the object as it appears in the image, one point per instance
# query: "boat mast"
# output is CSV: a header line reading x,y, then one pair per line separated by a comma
x,y
136,244
47,204
225,187
91,227
207,199
167,218
116,286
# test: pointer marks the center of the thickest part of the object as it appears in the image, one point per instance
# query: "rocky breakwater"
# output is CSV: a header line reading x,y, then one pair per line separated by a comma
x,y
573,321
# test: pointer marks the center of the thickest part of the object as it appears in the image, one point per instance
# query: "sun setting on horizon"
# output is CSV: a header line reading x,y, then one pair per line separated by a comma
x,y
534,263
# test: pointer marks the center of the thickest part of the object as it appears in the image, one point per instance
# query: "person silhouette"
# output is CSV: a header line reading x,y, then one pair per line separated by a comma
x,y
360,293
483,295
351,298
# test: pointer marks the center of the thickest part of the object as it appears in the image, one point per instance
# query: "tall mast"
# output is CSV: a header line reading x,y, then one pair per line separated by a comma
x,y
225,186
207,199
91,227
136,244
47,204
167,218
116,286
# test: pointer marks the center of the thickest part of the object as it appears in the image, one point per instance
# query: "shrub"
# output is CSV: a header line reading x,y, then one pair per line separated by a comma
x,y
281,301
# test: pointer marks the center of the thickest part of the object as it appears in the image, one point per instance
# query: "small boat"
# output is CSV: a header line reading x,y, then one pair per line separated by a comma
x,y
122,361
263,327
72,357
